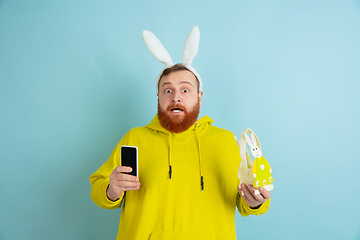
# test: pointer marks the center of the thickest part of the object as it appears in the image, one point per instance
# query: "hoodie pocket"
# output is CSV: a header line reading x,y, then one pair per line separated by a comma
x,y
182,236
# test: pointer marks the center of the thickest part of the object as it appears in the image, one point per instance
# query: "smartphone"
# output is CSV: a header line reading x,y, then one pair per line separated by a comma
x,y
129,158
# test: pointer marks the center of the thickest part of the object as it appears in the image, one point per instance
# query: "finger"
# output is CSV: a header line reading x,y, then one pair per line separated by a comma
x,y
123,185
122,189
132,188
248,191
252,189
128,184
121,169
259,198
123,177
240,191
249,202
265,193
127,177
248,196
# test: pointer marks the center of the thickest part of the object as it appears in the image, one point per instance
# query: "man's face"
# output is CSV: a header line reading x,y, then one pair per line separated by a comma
x,y
179,100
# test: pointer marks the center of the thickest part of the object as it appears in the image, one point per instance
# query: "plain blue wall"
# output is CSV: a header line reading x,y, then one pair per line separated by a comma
x,y
75,76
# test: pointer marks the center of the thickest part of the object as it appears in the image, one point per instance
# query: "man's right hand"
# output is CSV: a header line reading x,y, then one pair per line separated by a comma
x,y
120,182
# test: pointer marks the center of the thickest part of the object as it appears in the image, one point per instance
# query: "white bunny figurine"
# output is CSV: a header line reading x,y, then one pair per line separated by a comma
x,y
261,168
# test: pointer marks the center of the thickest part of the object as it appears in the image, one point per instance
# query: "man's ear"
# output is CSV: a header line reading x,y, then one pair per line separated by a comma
x,y
200,96
157,94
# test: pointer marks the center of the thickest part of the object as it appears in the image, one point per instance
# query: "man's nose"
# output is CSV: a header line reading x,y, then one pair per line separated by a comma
x,y
176,97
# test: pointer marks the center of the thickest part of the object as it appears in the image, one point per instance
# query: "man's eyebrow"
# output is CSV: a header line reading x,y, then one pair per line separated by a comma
x,y
165,83
186,82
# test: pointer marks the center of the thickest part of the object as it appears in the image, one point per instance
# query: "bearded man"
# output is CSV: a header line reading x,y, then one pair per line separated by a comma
x,y
178,112
188,184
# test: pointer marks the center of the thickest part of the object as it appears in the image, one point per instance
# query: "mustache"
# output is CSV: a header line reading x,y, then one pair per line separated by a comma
x,y
176,105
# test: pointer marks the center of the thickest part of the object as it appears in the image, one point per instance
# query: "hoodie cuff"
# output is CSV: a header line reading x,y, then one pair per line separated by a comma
x,y
105,200
263,208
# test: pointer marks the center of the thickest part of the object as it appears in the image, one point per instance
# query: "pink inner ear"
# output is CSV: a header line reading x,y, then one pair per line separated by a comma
x,y
248,140
253,138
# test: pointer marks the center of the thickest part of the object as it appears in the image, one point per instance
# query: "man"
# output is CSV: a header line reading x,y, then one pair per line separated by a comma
x,y
188,185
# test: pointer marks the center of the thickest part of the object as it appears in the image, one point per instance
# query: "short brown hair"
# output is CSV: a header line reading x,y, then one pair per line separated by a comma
x,y
175,68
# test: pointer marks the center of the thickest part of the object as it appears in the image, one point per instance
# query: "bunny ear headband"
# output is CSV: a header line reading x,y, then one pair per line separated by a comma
x,y
161,54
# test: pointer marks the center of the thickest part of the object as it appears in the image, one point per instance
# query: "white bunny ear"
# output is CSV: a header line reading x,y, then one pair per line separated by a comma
x,y
253,138
191,46
248,140
156,48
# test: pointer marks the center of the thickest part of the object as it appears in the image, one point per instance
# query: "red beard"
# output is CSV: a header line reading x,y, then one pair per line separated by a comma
x,y
177,124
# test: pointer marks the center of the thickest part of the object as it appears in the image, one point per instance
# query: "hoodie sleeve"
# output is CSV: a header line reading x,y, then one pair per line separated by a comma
x,y
100,180
245,210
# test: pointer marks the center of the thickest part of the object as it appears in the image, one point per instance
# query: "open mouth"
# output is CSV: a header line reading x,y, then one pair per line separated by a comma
x,y
177,110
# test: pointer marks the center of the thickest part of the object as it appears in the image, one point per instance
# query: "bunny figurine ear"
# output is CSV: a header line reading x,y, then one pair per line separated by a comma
x,y
156,48
248,140
253,138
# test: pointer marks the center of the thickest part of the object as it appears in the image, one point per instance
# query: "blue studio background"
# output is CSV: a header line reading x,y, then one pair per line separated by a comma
x,y
75,76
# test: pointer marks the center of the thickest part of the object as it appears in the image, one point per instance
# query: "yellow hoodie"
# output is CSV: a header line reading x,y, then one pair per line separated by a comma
x,y
188,184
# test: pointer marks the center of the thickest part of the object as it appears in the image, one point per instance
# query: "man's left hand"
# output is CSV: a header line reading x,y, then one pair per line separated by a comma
x,y
254,201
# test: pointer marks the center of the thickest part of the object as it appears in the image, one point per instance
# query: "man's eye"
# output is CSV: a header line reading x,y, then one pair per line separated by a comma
x,y
168,91
185,90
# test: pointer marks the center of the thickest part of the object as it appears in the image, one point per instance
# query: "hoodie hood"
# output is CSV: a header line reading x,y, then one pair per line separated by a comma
x,y
198,129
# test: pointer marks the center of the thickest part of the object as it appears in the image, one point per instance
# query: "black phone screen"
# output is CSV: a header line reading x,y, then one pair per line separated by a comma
x,y
129,158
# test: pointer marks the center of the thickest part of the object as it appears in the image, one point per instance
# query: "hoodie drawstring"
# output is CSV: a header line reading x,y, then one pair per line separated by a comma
x,y
170,146
199,152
